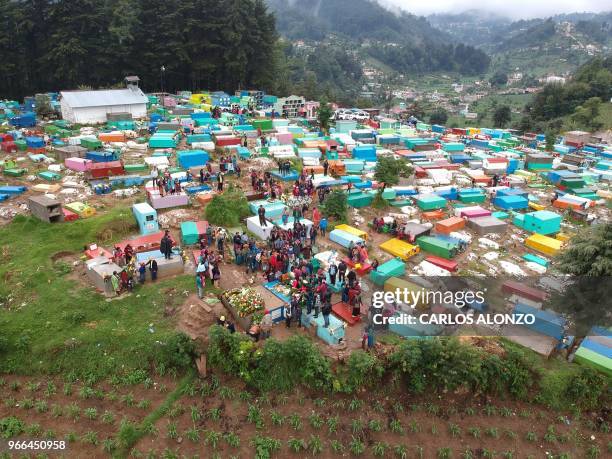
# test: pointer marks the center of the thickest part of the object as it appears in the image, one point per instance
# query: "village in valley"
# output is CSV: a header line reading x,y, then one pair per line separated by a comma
x,y
202,270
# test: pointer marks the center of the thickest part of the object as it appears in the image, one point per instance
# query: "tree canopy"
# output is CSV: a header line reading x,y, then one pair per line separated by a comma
x,y
592,80
228,209
587,298
336,205
499,79
586,114
389,170
63,44
502,116
324,114
438,116
589,254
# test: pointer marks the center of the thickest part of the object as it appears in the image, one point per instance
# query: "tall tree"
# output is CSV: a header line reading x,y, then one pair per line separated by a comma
x,y
587,114
438,116
587,261
62,44
501,116
324,115
550,140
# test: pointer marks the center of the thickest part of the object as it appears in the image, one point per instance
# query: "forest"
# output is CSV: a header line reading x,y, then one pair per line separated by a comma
x,y
48,45
65,44
410,59
591,85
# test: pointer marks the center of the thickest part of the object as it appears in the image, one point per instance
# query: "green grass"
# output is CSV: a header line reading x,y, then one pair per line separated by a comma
x,y
55,323
130,433
605,118
554,373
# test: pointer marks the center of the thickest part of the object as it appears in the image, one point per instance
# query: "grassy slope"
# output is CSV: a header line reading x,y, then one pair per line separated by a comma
x,y
112,337
485,105
57,324
605,118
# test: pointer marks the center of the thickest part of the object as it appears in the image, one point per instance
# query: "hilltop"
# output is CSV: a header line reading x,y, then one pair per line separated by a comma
x,y
541,46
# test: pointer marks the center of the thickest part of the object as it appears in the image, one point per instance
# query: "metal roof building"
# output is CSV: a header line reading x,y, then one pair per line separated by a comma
x,y
93,106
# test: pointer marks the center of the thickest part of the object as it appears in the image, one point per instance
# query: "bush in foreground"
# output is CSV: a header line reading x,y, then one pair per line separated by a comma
x,y
442,364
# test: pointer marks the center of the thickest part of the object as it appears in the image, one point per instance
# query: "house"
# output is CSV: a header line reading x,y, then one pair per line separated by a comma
x,y
291,106
92,106
552,79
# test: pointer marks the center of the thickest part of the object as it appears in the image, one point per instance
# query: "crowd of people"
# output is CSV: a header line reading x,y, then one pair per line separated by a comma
x,y
165,184
287,256
212,254
123,280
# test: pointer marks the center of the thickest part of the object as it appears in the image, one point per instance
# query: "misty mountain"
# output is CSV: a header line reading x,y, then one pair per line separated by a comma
x,y
494,33
355,19
401,41
473,27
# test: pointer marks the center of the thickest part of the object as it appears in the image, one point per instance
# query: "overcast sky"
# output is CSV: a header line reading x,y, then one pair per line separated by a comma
x,y
516,9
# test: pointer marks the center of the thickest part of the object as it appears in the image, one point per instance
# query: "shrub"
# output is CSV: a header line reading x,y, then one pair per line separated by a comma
x,y
128,433
336,446
336,206
444,363
228,209
510,373
11,427
585,388
389,170
447,365
363,369
232,439
379,449
212,438
315,445
282,366
176,353
356,447
230,351
265,446
278,366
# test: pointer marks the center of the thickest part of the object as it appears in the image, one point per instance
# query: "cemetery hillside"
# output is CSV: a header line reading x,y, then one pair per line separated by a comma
x,y
280,228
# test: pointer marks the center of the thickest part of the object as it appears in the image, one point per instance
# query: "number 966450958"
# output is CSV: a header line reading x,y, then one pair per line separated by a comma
x,y
33,445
